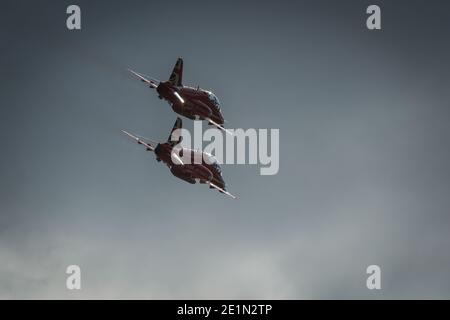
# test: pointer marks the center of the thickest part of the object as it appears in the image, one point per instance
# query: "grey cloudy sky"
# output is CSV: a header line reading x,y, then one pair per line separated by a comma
x,y
364,140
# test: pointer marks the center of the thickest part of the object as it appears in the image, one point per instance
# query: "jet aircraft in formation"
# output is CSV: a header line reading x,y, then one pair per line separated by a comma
x,y
192,103
195,104
201,167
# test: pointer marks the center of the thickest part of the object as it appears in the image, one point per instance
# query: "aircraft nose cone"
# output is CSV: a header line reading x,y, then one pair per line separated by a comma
x,y
220,116
220,181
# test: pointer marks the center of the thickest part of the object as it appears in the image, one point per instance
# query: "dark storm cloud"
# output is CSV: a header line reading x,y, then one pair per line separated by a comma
x,y
363,118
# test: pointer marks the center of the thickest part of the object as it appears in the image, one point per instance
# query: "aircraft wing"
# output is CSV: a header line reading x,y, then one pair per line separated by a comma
x,y
219,126
140,141
152,83
221,190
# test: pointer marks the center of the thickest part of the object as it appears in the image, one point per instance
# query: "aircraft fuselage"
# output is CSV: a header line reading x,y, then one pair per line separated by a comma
x,y
193,103
198,170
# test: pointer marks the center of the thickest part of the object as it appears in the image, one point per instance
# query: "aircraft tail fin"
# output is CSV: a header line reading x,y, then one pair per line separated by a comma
x,y
176,77
175,135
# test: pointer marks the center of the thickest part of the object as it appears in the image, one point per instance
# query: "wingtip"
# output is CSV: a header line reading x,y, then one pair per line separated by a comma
x,y
133,72
128,134
229,194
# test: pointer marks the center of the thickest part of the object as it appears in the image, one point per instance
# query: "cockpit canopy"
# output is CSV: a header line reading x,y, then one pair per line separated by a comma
x,y
213,98
217,167
211,160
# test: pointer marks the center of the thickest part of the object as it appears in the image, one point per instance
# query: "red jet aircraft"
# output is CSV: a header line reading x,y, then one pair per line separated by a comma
x,y
193,103
203,167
